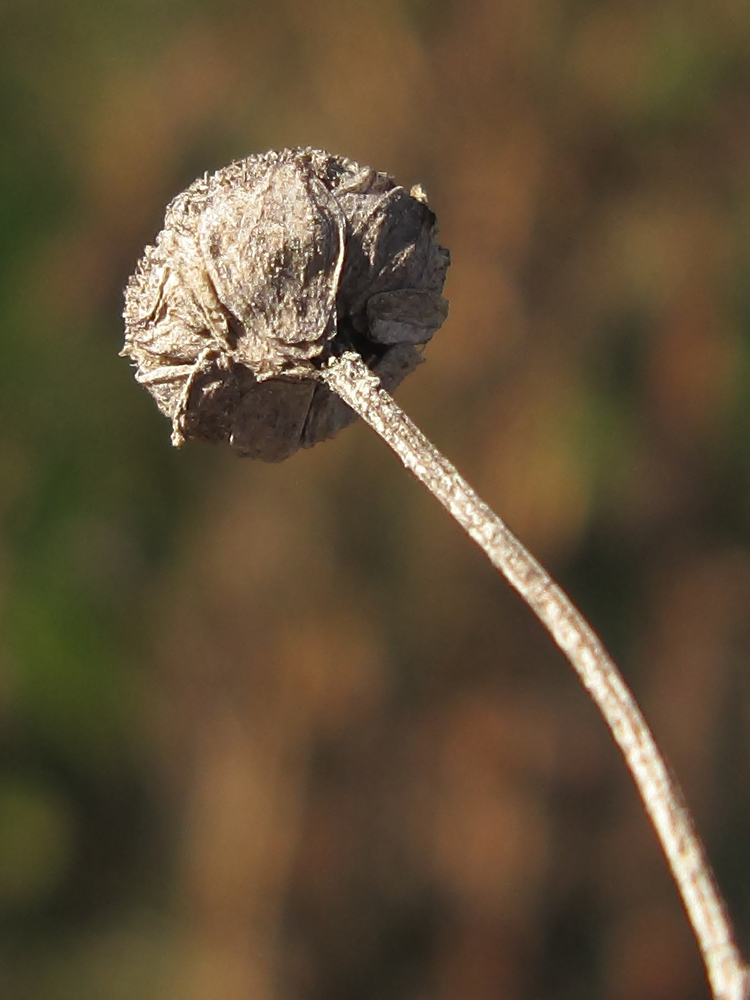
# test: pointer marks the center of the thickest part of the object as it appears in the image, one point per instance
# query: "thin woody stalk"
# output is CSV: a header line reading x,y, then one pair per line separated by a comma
x,y
728,976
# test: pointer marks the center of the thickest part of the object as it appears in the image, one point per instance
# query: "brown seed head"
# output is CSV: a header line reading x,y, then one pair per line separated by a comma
x,y
262,272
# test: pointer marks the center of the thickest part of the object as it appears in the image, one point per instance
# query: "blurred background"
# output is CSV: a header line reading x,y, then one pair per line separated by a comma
x,y
280,732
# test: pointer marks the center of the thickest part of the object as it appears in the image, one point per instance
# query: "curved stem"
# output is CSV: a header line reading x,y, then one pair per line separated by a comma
x,y
359,388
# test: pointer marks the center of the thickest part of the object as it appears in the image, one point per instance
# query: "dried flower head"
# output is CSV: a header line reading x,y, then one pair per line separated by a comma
x,y
263,271
276,289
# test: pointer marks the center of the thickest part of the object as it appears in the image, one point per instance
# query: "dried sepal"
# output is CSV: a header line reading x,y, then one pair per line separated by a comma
x,y
262,272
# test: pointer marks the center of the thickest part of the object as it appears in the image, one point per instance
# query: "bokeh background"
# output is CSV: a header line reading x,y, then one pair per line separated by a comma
x,y
279,732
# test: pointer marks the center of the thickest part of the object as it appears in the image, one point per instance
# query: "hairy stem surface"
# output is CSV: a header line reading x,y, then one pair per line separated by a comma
x,y
359,388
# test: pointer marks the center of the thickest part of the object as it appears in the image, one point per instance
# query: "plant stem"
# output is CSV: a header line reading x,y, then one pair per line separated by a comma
x,y
728,976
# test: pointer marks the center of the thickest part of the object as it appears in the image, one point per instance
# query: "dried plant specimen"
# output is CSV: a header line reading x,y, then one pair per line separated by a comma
x,y
262,272
289,292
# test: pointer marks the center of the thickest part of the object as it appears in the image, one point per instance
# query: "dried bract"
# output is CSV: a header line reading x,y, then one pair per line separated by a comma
x,y
263,271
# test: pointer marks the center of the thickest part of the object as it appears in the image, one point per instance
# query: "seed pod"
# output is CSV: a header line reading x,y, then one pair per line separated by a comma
x,y
263,271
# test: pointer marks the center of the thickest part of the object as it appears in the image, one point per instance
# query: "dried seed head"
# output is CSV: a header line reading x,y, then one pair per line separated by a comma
x,y
262,272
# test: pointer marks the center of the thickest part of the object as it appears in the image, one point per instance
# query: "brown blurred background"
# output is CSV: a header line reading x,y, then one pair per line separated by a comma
x,y
279,732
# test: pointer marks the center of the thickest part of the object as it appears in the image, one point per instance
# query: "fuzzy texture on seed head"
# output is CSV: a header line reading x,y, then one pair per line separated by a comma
x,y
262,272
